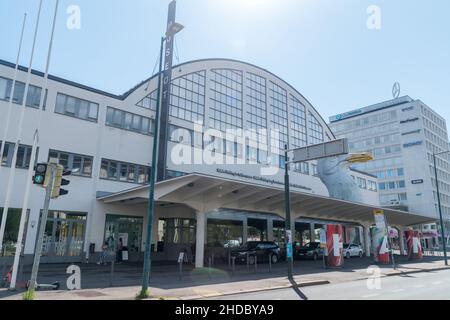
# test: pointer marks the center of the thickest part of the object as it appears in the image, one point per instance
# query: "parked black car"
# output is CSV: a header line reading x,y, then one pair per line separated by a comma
x,y
311,250
259,249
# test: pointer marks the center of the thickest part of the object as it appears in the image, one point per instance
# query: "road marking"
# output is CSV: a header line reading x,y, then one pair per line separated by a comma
x,y
398,290
371,295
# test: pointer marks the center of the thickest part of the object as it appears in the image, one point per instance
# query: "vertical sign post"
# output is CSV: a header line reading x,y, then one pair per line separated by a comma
x,y
165,97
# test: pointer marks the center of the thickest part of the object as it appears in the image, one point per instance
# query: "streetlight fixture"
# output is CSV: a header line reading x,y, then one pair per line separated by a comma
x,y
172,30
444,244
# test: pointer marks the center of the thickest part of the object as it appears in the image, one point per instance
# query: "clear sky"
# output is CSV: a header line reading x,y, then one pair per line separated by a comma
x,y
321,47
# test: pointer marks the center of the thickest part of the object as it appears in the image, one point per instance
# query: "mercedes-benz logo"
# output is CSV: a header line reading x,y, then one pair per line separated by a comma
x,y
396,90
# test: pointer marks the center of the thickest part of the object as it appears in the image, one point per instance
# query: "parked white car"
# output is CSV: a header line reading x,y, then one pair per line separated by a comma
x,y
352,250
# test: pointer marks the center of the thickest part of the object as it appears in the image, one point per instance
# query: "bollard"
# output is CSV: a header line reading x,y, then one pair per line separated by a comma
x,y
20,275
233,259
256,264
248,263
112,271
270,262
229,257
209,267
212,259
180,270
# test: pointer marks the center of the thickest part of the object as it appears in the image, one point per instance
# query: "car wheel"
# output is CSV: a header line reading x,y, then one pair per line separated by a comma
x,y
347,255
274,259
251,260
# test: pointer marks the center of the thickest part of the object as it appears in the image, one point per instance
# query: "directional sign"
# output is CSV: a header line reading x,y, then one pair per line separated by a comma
x,y
321,150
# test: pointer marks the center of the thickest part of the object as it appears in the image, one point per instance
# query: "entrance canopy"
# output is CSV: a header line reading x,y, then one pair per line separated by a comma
x,y
207,193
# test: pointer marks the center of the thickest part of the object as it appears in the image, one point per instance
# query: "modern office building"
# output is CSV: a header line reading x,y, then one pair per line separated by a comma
x,y
218,189
402,134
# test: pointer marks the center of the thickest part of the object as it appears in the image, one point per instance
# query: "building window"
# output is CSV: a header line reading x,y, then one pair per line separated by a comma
x,y
124,172
362,183
33,95
179,231
187,99
129,229
75,107
181,135
128,121
23,155
298,124
150,101
279,112
302,167
73,161
315,130
256,110
226,108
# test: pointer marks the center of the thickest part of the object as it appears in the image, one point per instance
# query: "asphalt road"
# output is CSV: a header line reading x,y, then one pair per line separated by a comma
x,y
419,286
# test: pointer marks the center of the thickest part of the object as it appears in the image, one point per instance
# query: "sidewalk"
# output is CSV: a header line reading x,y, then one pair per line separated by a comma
x,y
196,284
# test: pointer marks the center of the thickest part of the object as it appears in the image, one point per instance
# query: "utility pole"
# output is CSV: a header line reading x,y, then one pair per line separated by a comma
x,y
37,254
444,244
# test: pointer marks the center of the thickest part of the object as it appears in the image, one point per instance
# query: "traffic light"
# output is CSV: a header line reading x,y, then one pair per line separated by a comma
x,y
59,182
40,174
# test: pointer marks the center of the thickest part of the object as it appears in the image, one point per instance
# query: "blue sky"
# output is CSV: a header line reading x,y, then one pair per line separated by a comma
x,y
321,47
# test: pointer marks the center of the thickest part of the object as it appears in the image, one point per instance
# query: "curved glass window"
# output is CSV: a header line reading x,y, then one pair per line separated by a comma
x,y
187,100
298,124
278,110
315,130
226,96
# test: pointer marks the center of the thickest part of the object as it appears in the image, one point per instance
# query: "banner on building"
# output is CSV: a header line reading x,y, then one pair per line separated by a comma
x,y
335,245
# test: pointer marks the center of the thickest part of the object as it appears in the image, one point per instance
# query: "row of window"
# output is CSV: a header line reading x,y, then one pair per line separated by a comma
x,y
365,184
125,172
390,173
393,199
111,170
371,166
23,155
128,121
373,131
33,95
391,185
367,121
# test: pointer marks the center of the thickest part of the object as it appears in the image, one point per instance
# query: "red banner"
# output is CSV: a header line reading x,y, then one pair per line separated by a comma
x,y
335,245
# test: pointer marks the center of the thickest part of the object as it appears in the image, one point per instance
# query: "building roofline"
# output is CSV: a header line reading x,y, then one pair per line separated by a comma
x,y
129,92
371,108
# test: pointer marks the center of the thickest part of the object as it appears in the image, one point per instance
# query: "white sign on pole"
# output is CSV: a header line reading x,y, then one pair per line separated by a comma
x,y
323,238
321,150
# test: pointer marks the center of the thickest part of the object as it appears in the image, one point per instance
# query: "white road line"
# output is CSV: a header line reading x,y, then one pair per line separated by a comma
x,y
398,290
371,295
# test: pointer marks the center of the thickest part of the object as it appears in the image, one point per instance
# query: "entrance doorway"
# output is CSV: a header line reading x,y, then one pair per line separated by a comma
x,y
64,237
129,229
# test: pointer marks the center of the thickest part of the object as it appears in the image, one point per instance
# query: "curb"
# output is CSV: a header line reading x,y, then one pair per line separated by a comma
x,y
230,293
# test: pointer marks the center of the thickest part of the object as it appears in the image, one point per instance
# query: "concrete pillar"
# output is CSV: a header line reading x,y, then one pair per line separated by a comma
x,y
367,240
200,239
401,238
312,232
269,229
244,230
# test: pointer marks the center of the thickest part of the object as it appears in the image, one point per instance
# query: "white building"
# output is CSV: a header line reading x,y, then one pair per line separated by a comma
x,y
402,134
110,137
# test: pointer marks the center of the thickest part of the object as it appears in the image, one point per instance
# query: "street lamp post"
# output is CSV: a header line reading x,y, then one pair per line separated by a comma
x,y
289,249
172,29
444,245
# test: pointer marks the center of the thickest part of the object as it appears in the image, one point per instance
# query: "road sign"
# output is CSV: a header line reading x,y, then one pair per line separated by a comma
x,y
321,150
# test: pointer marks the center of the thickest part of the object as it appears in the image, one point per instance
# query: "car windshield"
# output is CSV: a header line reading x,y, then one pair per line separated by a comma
x,y
346,245
249,245
310,245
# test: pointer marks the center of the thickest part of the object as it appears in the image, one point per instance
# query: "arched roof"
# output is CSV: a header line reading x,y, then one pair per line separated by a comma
x,y
128,93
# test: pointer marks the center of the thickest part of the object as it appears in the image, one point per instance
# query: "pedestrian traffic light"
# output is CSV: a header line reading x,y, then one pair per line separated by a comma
x,y
59,182
40,173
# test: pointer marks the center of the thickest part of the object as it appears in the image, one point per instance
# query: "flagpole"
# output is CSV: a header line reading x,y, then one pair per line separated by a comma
x,y
32,158
11,92
19,134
